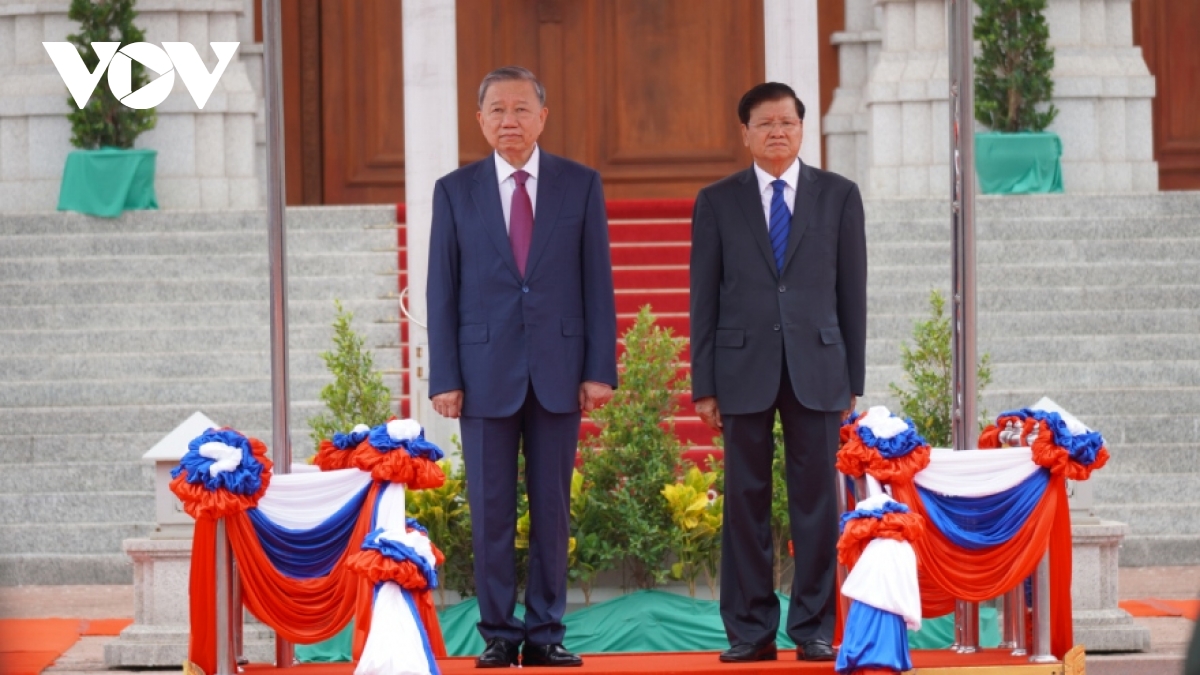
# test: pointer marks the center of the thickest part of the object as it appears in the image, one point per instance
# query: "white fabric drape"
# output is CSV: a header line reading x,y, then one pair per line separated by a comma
x,y
885,578
975,473
395,645
391,648
301,501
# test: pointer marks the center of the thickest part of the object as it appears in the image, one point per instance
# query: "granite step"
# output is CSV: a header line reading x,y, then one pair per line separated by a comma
x,y
343,240
25,569
153,419
156,290
115,447
198,314
1144,550
141,367
1129,459
1166,517
81,477
201,268
1083,403
1068,375
1112,487
197,391
1036,321
56,507
76,538
1024,207
297,218
993,277
302,337
1022,231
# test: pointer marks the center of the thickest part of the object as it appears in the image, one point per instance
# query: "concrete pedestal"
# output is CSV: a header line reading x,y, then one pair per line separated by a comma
x,y
1100,625
159,634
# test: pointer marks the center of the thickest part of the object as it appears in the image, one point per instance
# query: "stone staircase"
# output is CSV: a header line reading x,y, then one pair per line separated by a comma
x,y
112,332
1093,301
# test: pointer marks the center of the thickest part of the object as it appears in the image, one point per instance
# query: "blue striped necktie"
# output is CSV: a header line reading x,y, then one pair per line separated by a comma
x,y
781,222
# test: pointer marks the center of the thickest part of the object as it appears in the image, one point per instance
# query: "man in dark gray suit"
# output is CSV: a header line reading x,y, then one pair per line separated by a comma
x,y
522,337
778,325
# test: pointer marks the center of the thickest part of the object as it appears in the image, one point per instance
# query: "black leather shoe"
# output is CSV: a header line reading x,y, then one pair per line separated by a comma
x,y
499,653
746,653
548,655
815,650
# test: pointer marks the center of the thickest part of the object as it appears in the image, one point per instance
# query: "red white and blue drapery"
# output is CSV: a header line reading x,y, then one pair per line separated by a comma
x,y
990,514
317,549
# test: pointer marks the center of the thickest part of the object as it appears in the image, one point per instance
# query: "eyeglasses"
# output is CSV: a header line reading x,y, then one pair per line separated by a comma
x,y
766,127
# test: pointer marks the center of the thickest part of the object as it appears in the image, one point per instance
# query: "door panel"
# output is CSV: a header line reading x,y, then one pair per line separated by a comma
x,y
1167,32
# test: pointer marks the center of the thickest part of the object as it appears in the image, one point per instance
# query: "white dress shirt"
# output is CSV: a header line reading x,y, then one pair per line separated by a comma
x,y
508,184
791,176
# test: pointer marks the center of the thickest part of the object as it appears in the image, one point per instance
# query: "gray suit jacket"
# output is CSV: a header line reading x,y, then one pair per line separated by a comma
x,y
745,315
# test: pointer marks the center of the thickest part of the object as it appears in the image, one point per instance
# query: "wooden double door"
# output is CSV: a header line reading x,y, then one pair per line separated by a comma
x,y
645,91
1168,32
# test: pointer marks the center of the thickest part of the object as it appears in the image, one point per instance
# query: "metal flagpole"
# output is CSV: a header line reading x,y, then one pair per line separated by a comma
x,y
281,450
962,187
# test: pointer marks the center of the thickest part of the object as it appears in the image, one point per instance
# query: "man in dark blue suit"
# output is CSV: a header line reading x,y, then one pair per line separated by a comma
x,y
522,338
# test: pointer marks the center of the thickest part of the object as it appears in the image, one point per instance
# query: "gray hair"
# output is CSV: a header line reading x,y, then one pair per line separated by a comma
x,y
509,74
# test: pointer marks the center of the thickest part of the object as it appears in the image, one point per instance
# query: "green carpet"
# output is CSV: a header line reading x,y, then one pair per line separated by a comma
x,y
644,621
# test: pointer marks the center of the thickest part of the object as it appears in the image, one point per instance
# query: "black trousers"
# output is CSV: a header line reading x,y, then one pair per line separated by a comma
x,y
749,607
490,446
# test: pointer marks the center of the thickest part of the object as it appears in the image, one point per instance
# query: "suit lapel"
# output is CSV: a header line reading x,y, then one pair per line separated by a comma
x,y
549,202
750,201
803,211
486,195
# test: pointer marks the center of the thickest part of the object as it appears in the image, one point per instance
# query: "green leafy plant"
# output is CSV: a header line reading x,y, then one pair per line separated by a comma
x,y
634,455
445,513
357,394
695,508
104,121
1012,70
928,366
593,552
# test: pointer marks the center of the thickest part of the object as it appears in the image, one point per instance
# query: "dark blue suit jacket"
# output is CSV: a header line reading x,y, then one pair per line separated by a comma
x,y
492,332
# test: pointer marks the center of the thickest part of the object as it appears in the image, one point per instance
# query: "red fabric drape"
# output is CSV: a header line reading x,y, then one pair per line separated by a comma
x,y
301,610
946,571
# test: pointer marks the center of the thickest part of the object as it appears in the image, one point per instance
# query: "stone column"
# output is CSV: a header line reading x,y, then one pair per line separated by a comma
x,y
908,103
847,144
430,152
205,157
1099,623
1103,91
792,44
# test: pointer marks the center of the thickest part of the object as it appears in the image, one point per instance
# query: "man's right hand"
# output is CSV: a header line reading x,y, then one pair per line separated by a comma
x,y
449,404
708,411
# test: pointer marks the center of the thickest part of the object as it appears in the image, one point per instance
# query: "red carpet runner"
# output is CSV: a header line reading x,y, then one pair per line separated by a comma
x,y
651,244
705,663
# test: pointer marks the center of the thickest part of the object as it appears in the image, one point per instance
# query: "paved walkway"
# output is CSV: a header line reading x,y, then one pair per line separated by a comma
x,y
1168,636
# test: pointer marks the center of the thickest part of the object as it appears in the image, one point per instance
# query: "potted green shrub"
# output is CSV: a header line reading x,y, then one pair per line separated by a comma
x,y
1013,90
106,175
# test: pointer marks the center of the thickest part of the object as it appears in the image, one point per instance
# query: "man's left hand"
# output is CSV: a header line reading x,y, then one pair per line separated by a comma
x,y
593,395
847,411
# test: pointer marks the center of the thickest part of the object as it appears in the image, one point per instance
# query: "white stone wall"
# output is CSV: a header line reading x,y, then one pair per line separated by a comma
x,y
888,127
1103,91
907,102
205,157
846,125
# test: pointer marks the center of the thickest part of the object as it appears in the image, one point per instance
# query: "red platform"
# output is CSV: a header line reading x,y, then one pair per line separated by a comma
x,y
943,662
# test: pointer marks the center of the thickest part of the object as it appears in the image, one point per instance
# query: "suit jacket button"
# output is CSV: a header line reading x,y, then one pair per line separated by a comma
x,y
524,289
782,288
775,327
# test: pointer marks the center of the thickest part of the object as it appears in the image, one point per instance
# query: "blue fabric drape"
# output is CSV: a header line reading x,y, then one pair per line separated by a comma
x,y
246,479
978,522
400,553
873,638
412,606
306,554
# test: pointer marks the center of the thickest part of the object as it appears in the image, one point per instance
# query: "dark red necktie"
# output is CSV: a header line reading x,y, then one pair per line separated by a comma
x,y
520,221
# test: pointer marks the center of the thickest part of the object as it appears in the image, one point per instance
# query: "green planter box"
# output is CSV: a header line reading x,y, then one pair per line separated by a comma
x,y
108,181
1017,164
